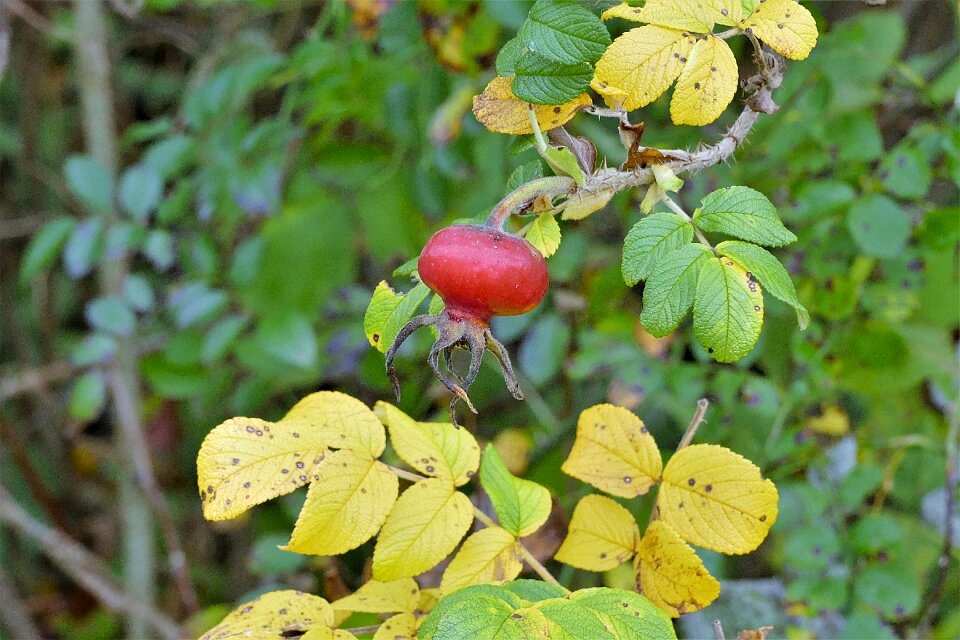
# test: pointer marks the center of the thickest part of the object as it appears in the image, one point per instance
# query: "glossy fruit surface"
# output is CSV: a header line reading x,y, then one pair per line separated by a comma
x,y
481,272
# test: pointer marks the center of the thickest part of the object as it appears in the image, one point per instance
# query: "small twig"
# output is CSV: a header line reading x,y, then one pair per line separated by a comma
x,y
83,567
32,17
718,630
35,379
729,33
357,631
14,613
11,439
702,405
406,475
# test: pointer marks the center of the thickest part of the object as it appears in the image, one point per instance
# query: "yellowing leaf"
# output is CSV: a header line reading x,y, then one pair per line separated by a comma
x,y
245,461
716,499
602,535
499,110
640,65
402,626
343,421
707,83
670,574
785,25
425,525
428,599
272,614
679,14
490,555
544,234
382,305
833,421
326,633
346,504
623,10
382,597
728,12
582,203
432,448
614,452
514,447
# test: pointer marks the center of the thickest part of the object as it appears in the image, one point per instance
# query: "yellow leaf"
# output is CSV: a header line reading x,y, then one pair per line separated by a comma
x,y
833,421
382,305
273,614
514,447
326,633
786,26
614,452
670,574
544,234
623,10
402,626
490,555
602,535
428,599
346,504
716,499
582,204
341,420
425,525
432,448
245,461
382,597
679,14
499,110
706,85
640,65
728,12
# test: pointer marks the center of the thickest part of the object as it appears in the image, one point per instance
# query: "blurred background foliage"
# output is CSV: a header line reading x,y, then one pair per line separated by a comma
x,y
279,158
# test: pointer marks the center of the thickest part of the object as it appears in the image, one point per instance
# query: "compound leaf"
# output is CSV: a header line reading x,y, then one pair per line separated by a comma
x,y
765,267
602,535
425,525
490,555
727,310
348,500
402,594
707,83
640,65
499,110
670,574
670,289
432,448
614,452
272,614
342,420
716,499
785,25
522,506
649,241
743,213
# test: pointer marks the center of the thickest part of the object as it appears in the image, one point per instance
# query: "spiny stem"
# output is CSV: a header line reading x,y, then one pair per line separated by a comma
x,y
702,405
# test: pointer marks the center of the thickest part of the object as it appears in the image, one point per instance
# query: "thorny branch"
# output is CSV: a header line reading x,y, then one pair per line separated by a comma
x,y
84,567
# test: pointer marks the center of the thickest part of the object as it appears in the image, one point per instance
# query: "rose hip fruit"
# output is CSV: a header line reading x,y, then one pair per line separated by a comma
x,y
479,271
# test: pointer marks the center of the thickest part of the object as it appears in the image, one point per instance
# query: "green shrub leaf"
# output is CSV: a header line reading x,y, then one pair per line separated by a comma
x,y
727,310
765,267
521,506
669,292
743,213
648,241
541,80
564,31
45,246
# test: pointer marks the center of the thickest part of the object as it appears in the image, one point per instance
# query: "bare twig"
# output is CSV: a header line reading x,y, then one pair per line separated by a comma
x,y
85,568
718,630
25,225
702,405
36,379
29,15
14,614
4,39
38,488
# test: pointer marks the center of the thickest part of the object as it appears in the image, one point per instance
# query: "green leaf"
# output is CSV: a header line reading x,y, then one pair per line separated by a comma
x,y
94,349
83,248
90,182
727,310
544,348
111,314
521,506
408,268
141,188
564,31
625,614
169,156
669,291
290,338
477,611
535,590
765,267
906,173
524,174
564,163
382,305
194,302
648,241
544,234
404,310
220,337
158,249
743,213
45,247
879,226
541,80
894,593
137,292
574,622
89,396
507,58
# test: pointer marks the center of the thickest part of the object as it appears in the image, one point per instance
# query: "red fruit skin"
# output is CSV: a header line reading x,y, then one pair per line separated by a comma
x,y
481,272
